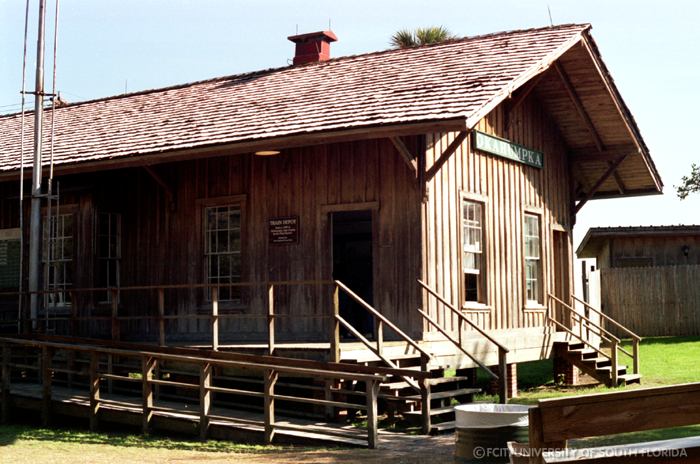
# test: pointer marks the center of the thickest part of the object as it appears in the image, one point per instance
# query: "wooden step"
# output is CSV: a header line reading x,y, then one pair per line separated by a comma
x,y
442,427
621,369
443,380
598,362
629,378
446,394
433,412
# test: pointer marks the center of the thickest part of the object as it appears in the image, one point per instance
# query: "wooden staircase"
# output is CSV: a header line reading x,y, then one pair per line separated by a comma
x,y
398,398
592,363
587,339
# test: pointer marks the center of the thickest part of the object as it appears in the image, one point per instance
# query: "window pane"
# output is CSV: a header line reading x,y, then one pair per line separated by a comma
x,y
472,257
223,248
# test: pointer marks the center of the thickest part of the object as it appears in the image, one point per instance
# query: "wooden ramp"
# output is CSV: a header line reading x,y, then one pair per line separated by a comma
x,y
209,394
183,417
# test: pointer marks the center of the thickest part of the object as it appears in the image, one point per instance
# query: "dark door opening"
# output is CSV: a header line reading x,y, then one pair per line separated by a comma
x,y
352,264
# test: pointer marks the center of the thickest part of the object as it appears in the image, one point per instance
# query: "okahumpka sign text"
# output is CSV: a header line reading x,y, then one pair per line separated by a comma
x,y
506,149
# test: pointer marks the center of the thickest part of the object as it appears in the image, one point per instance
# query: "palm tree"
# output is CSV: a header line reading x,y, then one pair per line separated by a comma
x,y
422,36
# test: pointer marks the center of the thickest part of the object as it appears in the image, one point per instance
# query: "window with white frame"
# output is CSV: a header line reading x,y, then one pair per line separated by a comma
x,y
473,269
222,232
58,258
533,260
108,227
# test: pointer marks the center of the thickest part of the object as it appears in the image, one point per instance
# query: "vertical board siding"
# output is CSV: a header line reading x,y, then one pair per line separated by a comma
x,y
656,301
509,188
164,245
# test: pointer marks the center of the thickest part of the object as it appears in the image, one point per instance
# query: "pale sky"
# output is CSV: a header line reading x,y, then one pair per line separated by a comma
x,y
652,49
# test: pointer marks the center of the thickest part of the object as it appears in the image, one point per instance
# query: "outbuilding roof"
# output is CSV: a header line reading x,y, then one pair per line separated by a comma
x,y
452,85
596,236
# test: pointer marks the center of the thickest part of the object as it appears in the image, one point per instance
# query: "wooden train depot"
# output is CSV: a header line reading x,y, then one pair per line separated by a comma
x,y
335,233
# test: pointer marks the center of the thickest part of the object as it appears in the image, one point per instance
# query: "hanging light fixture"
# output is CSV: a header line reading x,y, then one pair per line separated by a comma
x,y
267,152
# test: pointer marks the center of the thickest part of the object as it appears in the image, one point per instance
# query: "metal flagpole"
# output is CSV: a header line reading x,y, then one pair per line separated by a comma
x,y
35,214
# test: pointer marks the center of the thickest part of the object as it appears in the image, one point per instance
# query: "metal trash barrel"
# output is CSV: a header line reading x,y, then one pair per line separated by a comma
x,y
484,429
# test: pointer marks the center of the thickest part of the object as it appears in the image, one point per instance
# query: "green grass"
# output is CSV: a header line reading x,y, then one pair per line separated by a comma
x,y
664,361
13,434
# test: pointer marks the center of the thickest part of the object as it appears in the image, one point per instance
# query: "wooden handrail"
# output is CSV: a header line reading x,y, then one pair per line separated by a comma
x,y
581,316
262,366
608,318
382,318
570,332
427,317
462,316
172,287
376,351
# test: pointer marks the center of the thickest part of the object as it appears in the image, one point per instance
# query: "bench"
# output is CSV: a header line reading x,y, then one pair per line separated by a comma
x,y
555,421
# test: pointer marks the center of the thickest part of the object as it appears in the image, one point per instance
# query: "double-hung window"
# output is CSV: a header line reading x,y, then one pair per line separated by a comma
x,y
58,258
473,269
222,253
533,259
108,229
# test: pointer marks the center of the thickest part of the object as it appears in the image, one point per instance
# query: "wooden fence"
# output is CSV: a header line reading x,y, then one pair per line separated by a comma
x,y
653,301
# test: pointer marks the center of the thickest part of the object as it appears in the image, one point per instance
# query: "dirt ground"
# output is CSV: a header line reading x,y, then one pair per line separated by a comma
x,y
393,449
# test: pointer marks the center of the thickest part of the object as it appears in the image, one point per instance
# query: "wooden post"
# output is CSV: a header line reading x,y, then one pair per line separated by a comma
x,y
45,385
613,363
460,327
635,358
269,410
5,401
380,337
73,314
94,390
215,318
205,374
372,387
425,398
271,320
115,310
161,317
147,366
110,371
503,374
335,327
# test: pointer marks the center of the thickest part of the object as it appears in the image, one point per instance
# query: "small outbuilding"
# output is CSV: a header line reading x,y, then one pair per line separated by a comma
x,y
646,277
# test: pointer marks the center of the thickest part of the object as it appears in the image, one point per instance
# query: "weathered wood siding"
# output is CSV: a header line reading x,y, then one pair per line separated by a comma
x,y
659,300
508,189
164,245
660,250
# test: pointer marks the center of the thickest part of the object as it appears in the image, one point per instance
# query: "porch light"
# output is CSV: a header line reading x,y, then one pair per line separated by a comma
x,y
267,152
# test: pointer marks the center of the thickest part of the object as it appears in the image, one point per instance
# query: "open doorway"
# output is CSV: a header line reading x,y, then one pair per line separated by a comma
x,y
351,239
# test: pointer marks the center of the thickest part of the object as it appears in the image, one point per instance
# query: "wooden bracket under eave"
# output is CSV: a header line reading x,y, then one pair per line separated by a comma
x,y
445,155
167,190
609,172
405,153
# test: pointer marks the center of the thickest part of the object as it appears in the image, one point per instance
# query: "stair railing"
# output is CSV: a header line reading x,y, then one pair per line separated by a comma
x,y
380,321
590,326
636,339
502,375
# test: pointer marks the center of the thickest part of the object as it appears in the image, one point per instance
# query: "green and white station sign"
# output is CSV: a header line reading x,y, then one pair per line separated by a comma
x,y
507,149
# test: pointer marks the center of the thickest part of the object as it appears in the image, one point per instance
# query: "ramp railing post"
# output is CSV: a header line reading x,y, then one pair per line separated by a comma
x,y
205,375
147,366
5,401
94,390
372,389
271,320
215,318
269,407
45,385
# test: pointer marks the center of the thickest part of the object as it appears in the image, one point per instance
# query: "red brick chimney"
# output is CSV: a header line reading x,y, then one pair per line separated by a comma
x,y
313,47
